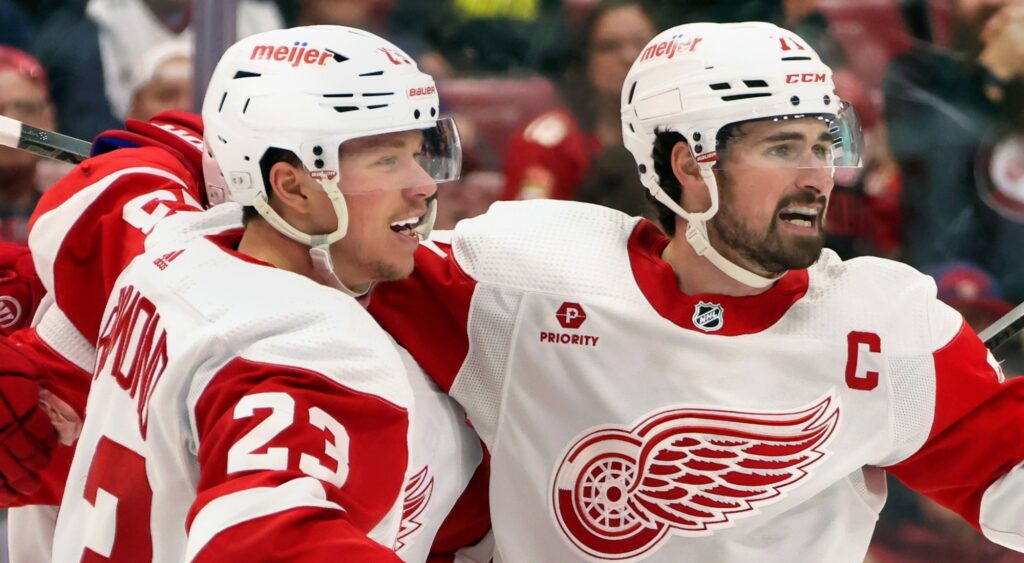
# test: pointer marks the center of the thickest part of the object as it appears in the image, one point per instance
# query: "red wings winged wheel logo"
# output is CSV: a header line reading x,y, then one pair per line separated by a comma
x,y
620,492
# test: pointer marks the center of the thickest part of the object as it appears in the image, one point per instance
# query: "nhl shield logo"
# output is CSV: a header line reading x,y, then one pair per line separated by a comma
x,y
708,316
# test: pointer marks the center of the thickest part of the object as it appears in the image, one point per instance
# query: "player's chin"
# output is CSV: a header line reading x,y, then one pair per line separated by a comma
x,y
395,269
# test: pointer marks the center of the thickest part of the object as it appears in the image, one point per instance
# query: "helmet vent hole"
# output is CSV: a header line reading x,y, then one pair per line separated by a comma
x,y
416,114
222,98
827,99
246,106
338,95
796,58
246,158
319,163
795,100
735,97
343,109
721,86
318,150
374,73
642,168
631,128
245,74
755,83
372,94
632,90
433,112
377,106
338,57
222,139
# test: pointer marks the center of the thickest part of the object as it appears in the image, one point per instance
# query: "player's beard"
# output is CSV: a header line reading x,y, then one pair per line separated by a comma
x,y
768,251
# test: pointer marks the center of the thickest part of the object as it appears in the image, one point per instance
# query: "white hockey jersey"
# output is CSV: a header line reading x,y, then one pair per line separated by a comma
x,y
241,411
629,421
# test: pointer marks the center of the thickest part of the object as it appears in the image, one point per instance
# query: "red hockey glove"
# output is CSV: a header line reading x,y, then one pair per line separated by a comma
x,y
20,289
27,438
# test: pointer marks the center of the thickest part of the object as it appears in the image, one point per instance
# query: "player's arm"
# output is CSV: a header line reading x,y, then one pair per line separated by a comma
x,y
970,461
295,467
91,224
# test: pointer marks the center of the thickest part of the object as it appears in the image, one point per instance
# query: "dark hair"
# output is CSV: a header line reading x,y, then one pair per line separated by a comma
x,y
269,159
664,141
581,100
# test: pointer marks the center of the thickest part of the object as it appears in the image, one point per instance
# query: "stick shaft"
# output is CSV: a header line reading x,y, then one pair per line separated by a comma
x,y
1004,328
49,144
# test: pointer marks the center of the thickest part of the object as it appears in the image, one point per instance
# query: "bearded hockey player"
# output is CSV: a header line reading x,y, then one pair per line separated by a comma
x,y
720,388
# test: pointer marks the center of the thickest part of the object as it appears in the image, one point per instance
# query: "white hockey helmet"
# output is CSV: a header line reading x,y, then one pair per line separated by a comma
x,y
308,90
698,79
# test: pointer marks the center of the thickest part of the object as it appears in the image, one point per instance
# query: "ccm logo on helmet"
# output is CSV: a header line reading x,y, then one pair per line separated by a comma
x,y
805,77
296,54
669,48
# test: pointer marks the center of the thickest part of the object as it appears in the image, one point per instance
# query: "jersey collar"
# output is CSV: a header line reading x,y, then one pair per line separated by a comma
x,y
739,315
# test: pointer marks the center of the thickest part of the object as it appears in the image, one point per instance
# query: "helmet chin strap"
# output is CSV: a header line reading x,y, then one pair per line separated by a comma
x,y
320,245
697,233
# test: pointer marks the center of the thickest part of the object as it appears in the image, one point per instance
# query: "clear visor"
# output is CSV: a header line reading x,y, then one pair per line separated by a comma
x,y
415,158
817,141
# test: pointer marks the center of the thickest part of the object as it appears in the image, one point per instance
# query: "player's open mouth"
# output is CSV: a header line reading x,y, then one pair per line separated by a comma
x,y
407,226
800,216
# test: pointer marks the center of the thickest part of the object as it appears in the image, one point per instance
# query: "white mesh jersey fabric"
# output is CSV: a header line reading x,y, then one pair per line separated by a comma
x,y
528,244
543,395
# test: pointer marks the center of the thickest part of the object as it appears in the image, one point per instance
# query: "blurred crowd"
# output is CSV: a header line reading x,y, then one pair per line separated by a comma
x,y
535,88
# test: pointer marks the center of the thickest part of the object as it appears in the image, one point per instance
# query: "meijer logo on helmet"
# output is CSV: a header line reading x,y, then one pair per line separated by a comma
x,y
669,48
296,54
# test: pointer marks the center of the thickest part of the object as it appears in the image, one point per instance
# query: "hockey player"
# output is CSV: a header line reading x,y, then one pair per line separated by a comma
x,y
719,389
445,455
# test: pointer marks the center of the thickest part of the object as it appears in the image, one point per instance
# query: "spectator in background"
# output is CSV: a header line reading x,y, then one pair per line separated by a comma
x,y
948,111
90,50
24,95
162,80
562,151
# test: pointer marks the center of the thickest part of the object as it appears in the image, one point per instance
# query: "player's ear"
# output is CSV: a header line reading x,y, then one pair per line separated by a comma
x,y
683,165
288,187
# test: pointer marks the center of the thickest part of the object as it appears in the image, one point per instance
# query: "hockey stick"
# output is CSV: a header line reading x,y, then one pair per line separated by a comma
x,y
49,144
1005,328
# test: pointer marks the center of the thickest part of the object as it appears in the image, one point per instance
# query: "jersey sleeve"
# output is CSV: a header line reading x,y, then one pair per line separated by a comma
x,y
428,312
91,224
295,465
976,441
